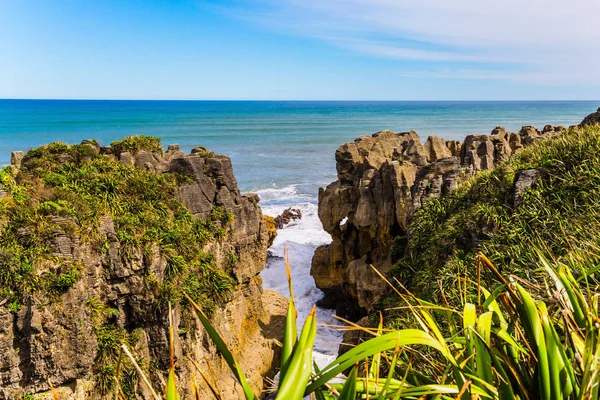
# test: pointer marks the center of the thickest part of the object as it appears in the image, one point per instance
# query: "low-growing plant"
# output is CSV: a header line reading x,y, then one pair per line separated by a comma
x,y
505,346
134,144
66,279
203,152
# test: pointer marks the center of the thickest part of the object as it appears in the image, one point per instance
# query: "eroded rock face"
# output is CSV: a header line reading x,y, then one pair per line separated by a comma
x,y
593,118
54,341
382,180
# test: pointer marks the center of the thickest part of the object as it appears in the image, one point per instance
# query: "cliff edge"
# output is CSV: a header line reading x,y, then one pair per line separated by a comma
x,y
97,241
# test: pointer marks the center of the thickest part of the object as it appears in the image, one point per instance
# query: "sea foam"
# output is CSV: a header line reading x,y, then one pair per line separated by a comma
x,y
301,238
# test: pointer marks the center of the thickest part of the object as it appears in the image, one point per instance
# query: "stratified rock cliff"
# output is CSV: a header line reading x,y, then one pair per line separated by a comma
x,y
382,180
103,291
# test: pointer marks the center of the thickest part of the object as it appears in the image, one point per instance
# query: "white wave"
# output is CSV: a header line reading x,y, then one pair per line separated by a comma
x,y
307,230
286,195
301,237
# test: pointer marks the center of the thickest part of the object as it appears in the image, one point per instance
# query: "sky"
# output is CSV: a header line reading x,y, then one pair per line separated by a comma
x,y
300,49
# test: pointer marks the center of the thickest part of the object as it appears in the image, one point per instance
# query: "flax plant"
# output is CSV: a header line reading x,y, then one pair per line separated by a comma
x,y
513,343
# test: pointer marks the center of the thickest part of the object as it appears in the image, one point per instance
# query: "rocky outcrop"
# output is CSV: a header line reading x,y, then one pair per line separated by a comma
x,y
382,180
592,119
16,157
287,216
524,180
269,223
54,341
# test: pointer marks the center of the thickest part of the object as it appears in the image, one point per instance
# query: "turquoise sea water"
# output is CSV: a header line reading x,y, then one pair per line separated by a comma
x,y
272,144
284,151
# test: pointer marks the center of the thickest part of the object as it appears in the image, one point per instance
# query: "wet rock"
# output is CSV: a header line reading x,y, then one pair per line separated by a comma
x,y
287,216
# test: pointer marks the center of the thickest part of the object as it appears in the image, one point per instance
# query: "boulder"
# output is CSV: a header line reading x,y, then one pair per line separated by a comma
x,y
93,144
524,180
287,216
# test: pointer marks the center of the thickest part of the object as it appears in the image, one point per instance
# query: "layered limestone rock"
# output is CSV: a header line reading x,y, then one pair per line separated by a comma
x,y
382,180
54,342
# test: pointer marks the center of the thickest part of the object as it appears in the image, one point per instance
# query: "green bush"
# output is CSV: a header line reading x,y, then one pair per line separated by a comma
x,y
68,190
134,144
66,279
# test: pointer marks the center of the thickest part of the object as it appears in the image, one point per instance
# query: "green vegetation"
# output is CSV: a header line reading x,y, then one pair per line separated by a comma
x,y
64,191
203,152
68,190
557,215
67,278
134,144
525,330
110,338
506,345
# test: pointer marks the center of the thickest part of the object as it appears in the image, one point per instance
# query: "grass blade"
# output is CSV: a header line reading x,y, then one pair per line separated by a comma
x,y
290,335
375,345
531,317
348,392
291,386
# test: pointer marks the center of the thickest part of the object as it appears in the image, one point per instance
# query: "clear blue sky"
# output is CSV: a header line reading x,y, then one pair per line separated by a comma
x,y
300,49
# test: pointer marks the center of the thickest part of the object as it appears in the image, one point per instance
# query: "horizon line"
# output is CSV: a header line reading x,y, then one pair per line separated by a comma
x,y
294,100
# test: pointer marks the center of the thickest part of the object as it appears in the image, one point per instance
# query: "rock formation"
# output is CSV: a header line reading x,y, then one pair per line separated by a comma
x,y
593,118
287,216
54,341
382,180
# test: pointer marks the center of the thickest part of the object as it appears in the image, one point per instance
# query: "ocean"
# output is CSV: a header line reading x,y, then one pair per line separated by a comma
x,y
281,150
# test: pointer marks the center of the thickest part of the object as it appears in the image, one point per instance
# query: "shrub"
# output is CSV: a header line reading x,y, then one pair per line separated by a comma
x,y
134,144
66,279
